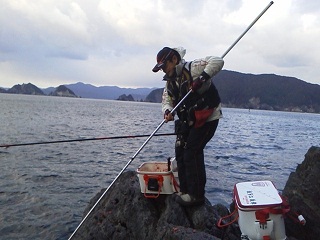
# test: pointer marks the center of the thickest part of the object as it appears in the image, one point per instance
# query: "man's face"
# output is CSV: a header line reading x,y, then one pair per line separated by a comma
x,y
169,66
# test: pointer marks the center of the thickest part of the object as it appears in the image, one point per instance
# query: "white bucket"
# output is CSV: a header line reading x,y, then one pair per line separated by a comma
x,y
260,211
154,178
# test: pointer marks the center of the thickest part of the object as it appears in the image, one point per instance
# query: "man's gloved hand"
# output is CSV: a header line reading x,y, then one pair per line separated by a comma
x,y
168,116
197,83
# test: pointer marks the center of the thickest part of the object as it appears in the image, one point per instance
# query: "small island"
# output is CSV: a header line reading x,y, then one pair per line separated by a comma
x,y
125,97
30,89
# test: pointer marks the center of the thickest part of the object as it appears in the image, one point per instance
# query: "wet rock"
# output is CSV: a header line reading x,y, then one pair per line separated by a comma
x,y
124,213
303,192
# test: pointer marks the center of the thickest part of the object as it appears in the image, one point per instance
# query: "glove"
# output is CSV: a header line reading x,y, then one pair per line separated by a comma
x,y
166,112
168,115
197,83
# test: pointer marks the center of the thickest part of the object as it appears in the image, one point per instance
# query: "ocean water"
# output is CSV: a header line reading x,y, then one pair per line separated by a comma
x,y
44,189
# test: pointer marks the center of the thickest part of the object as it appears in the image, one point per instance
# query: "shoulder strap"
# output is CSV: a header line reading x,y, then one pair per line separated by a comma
x,y
186,71
185,78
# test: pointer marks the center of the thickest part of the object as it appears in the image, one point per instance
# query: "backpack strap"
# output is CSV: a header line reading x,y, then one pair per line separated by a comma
x,y
186,73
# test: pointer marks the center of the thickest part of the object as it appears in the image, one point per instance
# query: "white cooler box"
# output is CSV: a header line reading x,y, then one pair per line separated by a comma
x,y
260,211
156,179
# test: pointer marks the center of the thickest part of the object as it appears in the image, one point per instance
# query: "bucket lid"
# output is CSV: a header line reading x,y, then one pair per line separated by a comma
x,y
256,194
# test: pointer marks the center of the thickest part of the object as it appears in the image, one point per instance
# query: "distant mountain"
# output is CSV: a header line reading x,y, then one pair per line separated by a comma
x,y
28,88
155,95
239,90
2,90
267,91
63,91
49,90
107,92
264,91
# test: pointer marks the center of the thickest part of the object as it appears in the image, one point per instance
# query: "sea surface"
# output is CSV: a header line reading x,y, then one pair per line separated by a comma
x,y
45,188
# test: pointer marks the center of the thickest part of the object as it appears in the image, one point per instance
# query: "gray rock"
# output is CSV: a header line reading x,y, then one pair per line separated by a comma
x,y
303,192
124,213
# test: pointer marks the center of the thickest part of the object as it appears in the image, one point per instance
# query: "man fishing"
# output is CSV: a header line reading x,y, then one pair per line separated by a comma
x,y
198,115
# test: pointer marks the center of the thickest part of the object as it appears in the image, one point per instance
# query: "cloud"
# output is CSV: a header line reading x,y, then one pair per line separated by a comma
x,y
109,42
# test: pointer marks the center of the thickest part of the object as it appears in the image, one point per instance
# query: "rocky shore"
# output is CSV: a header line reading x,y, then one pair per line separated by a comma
x,y
124,212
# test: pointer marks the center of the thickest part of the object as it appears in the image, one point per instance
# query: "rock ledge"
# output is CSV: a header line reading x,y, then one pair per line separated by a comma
x,y
124,213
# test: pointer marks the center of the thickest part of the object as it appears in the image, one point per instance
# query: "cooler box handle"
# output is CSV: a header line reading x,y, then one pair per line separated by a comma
x,y
159,181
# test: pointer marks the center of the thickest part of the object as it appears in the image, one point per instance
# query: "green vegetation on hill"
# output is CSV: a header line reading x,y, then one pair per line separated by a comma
x,y
265,91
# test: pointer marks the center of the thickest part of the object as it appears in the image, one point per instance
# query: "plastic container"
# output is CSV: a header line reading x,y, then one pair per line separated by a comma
x,y
260,211
155,179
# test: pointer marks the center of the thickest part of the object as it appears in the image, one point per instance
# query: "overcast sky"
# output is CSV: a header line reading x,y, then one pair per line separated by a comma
x,y
115,42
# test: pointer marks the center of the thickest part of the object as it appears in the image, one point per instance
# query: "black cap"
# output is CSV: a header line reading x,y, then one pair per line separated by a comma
x,y
163,55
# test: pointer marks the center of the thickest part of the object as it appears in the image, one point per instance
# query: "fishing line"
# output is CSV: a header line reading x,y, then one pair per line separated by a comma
x,y
81,140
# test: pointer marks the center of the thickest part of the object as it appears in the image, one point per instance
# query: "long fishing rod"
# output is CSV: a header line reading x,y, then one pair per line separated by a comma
x,y
238,39
123,169
81,140
160,125
248,28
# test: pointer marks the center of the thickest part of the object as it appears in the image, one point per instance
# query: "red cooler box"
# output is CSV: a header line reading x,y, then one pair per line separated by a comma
x,y
260,211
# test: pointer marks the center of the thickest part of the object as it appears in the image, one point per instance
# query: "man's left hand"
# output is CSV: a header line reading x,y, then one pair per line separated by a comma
x,y
197,83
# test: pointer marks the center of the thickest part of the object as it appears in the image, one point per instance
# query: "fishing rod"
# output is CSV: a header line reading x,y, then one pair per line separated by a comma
x,y
160,125
123,169
238,39
81,140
